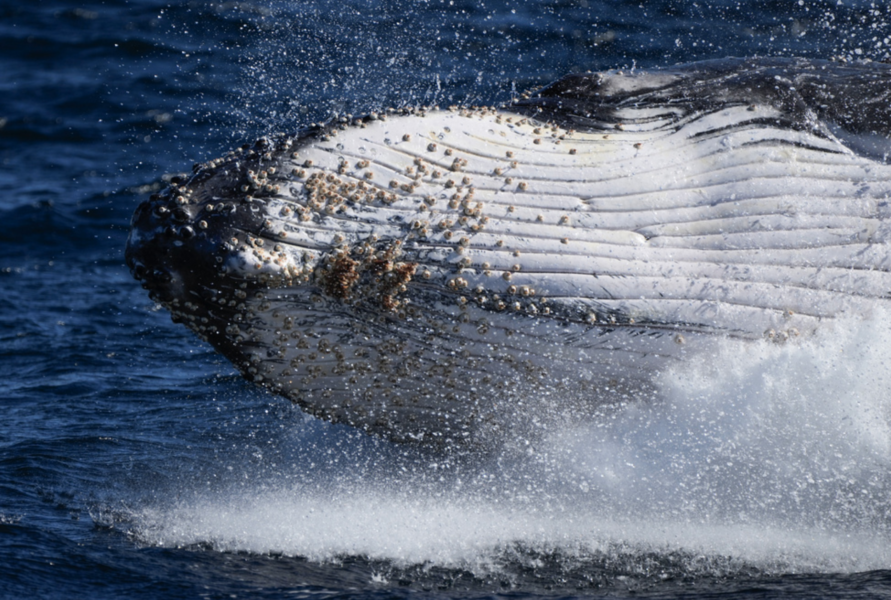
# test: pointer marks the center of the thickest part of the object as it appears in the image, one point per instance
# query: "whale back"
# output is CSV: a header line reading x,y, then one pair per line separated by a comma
x,y
455,275
854,99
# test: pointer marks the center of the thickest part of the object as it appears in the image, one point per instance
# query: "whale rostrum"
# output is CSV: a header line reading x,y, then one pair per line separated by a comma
x,y
445,275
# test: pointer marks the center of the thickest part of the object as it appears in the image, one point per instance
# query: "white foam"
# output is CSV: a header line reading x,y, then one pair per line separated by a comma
x,y
777,456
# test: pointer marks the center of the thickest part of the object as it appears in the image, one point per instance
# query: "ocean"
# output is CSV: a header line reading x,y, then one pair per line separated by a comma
x,y
136,463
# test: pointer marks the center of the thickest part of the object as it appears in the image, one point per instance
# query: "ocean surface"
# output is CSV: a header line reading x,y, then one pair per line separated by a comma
x,y
135,462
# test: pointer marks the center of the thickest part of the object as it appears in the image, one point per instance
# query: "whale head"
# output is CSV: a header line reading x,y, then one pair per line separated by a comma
x,y
453,275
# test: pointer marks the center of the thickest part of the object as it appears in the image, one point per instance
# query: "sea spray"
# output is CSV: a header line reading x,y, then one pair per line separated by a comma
x,y
773,457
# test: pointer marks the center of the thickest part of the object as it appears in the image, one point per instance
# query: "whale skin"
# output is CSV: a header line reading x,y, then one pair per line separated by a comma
x,y
460,275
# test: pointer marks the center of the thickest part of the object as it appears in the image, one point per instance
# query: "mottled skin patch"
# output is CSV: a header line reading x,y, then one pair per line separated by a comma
x,y
339,275
366,275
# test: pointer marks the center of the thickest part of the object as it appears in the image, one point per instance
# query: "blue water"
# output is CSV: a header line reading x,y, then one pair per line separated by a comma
x,y
134,462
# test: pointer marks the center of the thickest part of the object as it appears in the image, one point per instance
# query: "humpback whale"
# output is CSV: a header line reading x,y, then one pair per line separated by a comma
x,y
443,275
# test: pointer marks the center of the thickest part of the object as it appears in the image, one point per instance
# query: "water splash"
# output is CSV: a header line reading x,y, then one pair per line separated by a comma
x,y
771,457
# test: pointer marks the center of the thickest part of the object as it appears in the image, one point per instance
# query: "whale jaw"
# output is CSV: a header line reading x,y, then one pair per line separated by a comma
x,y
463,276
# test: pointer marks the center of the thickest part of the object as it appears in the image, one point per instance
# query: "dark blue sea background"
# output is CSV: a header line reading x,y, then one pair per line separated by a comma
x,y
135,462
